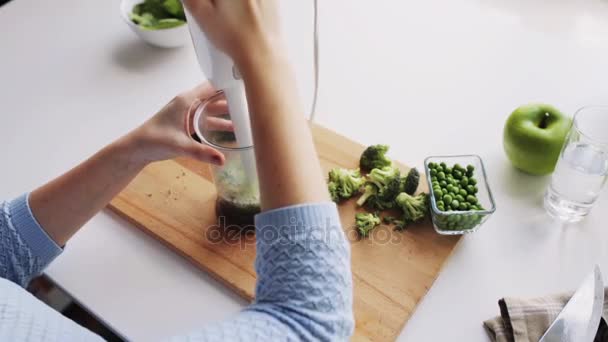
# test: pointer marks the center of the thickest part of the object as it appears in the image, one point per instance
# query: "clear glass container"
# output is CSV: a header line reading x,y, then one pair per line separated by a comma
x,y
582,168
238,193
457,222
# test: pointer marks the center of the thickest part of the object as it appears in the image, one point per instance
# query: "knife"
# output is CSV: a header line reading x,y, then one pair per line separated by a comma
x,y
580,318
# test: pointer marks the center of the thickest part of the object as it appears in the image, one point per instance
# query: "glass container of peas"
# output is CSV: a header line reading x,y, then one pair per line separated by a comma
x,y
461,200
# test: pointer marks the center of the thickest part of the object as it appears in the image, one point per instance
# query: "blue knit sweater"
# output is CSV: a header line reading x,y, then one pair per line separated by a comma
x,y
304,288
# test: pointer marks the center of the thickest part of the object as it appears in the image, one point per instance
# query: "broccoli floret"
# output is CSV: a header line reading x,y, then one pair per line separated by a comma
x,y
175,8
387,179
369,191
365,222
343,183
382,187
414,208
374,157
382,202
388,219
409,184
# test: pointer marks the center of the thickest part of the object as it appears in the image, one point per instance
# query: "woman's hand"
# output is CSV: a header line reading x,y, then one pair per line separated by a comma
x,y
240,28
63,205
166,135
248,32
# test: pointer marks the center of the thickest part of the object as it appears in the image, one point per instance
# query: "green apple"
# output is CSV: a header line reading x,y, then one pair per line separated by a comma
x,y
533,137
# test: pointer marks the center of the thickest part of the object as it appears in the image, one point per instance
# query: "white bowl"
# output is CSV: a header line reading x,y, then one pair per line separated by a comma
x,y
166,38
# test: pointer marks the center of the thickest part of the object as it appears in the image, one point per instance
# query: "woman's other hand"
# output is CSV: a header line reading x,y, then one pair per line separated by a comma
x,y
242,29
166,134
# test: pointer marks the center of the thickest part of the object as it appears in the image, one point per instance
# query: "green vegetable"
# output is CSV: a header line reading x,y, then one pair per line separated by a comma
x,y
344,184
366,222
370,191
388,183
374,157
158,14
457,191
175,8
414,208
388,219
411,181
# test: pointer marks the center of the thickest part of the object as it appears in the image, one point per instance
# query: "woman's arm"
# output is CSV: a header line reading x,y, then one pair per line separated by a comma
x,y
304,284
65,204
248,31
33,226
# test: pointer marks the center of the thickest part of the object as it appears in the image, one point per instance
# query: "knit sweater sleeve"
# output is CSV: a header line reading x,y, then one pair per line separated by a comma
x,y
25,248
304,285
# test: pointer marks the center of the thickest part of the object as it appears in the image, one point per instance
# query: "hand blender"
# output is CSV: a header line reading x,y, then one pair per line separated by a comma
x,y
224,76
239,183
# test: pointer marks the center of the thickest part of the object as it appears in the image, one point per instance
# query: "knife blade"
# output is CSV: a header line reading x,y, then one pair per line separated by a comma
x,y
579,319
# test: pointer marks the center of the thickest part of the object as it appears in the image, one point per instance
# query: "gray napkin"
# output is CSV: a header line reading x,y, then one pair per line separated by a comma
x,y
526,320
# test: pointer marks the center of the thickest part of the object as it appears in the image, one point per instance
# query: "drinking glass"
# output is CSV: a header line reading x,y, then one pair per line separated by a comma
x,y
582,168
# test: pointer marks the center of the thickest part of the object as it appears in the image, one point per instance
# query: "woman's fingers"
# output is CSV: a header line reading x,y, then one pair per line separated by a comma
x,y
218,124
217,108
205,153
202,91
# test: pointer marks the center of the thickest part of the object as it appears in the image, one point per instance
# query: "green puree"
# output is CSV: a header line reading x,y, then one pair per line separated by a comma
x,y
158,14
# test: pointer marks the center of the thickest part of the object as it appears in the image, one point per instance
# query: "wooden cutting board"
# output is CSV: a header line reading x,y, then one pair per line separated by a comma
x,y
174,202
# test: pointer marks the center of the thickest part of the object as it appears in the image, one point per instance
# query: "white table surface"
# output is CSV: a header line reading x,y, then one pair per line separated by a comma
x,y
427,77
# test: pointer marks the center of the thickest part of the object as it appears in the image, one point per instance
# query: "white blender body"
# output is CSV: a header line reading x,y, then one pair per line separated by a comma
x,y
236,182
223,75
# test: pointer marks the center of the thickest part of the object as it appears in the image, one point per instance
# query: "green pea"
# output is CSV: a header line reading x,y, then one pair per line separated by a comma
x,y
470,168
447,198
467,206
443,183
449,170
441,175
432,165
444,190
433,172
442,164
453,190
457,174
463,206
460,198
458,167
470,189
475,189
472,199
438,193
462,192
464,181
435,182
455,203
472,181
